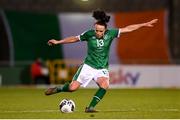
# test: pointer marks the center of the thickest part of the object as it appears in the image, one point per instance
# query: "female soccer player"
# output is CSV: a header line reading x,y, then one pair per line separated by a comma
x,y
95,65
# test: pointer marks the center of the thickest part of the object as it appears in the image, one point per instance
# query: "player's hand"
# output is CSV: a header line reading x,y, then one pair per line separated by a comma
x,y
52,42
150,24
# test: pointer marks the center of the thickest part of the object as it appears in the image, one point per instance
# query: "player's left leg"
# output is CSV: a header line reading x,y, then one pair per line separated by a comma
x,y
103,83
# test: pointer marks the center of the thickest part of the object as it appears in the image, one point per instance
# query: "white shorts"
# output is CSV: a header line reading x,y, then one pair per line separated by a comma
x,y
86,73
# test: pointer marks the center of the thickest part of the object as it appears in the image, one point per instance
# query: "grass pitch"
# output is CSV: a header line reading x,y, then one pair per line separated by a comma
x,y
118,103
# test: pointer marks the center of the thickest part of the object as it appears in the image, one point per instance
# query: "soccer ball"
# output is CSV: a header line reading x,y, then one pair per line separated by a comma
x,y
67,106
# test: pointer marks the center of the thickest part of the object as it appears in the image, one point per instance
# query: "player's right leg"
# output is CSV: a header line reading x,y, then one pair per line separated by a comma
x,y
66,88
102,79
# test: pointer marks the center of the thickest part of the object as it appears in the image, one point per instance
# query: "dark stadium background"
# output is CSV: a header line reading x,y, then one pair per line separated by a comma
x,y
21,97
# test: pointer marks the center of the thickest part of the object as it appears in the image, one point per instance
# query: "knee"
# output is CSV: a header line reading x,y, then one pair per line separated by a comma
x,y
73,87
104,85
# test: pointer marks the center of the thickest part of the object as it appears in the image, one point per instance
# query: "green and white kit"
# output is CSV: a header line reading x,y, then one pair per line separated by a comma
x,y
96,62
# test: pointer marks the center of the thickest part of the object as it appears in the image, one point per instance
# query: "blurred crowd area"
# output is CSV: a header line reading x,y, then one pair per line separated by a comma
x,y
51,72
38,72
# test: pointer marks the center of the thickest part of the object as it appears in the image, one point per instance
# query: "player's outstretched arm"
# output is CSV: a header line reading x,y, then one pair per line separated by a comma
x,y
131,28
63,41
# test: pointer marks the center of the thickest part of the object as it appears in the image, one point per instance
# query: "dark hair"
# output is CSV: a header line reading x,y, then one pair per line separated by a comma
x,y
101,17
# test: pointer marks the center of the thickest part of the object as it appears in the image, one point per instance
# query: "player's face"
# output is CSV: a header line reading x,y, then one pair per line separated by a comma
x,y
99,30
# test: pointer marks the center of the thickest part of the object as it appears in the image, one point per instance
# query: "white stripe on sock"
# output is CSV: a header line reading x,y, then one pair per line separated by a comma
x,y
97,98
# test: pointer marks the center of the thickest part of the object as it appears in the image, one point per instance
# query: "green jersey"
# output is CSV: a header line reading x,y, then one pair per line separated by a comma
x,y
98,48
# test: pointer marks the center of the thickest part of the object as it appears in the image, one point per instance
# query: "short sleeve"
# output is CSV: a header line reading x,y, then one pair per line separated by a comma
x,y
83,36
115,32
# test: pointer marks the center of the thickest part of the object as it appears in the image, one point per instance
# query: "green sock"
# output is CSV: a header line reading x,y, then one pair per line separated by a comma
x,y
64,88
97,97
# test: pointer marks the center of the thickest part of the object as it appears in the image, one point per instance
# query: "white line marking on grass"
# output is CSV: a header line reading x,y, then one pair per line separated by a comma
x,y
109,110
29,111
148,110
168,110
119,110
